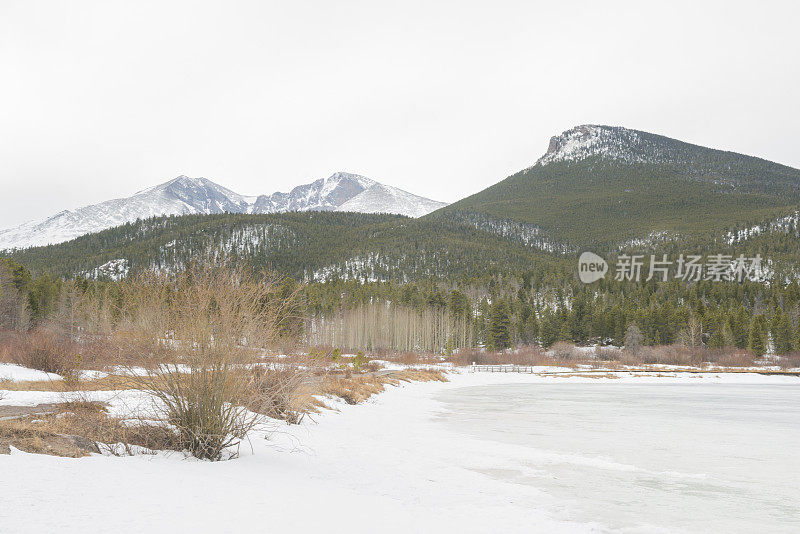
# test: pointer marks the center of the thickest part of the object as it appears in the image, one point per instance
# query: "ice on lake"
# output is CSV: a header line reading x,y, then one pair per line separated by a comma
x,y
689,457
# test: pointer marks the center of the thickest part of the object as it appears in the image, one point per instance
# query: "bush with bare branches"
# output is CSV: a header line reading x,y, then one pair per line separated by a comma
x,y
277,393
41,349
564,351
200,330
527,355
789,361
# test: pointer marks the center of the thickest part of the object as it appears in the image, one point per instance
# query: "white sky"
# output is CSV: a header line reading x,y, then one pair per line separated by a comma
x,y
101,99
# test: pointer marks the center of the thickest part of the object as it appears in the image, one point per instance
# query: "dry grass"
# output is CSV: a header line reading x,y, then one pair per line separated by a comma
x,y
108,383
585,375
28,438
358,388
79,428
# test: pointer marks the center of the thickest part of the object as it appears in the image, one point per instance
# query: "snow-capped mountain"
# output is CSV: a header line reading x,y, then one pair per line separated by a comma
x,y
347,192
182,195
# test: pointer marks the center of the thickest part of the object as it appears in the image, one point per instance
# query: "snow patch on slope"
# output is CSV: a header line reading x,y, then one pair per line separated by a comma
x,y
380,198
114,270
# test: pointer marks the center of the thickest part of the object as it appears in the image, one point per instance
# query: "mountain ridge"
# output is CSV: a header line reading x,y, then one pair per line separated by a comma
x,y
184,196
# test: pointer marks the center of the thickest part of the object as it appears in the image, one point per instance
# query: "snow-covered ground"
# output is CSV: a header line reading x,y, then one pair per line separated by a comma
x,y
482,453
16,373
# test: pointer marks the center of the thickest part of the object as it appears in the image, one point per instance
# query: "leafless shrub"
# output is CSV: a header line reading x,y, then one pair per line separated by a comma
x,y
663,355
373,366
789,361
527,355
413,358
633,339
564,352
41,349
277,393
205,403
674,355
606,354
209,325
732,358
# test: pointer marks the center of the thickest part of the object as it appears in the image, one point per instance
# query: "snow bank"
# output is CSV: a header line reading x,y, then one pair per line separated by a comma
x,y
17,373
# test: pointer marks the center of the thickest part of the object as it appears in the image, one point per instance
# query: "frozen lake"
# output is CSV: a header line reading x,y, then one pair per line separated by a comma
x,y
483,452
692,457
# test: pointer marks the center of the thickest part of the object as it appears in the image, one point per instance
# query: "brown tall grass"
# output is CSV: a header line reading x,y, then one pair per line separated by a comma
x,y
357,389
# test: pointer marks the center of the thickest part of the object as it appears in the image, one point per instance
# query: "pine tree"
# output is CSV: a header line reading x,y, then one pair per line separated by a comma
x,y
722,336
738,324
784,334
548,329
499,334
757,340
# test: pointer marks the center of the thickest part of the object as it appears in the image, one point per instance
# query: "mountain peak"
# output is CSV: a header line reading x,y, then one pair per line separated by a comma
x,y
587,140
342,175
348,177
186,180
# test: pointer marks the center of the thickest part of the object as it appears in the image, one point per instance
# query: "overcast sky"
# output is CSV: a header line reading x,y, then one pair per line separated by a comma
x,y
101,99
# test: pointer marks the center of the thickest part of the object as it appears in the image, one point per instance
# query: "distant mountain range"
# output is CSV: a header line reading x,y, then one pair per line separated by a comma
x,y
183,196
600,188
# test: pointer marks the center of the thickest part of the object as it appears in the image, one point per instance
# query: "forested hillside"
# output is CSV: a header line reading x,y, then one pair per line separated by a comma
x,y
311,246
601,187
